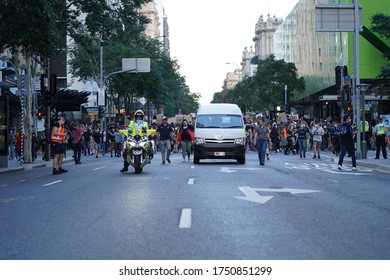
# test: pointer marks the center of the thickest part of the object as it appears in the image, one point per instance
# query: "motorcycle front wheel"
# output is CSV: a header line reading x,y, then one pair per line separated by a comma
x,y
137,164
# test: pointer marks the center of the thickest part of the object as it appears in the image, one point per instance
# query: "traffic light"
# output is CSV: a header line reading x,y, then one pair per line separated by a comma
x,y
53,89
348,108
41,101
341,72
53,84
101,112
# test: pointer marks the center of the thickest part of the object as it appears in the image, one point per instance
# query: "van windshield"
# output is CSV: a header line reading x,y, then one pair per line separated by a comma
x,y
219,121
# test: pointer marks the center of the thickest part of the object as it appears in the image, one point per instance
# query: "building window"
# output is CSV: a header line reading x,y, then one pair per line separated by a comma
x,y
321,67
319,52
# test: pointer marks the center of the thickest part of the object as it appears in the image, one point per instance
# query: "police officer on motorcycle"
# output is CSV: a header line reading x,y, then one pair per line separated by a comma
x,y
136,126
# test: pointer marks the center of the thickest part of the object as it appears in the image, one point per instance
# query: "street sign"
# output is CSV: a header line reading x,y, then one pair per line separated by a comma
x,y
138,65
337,18
101,97
92,111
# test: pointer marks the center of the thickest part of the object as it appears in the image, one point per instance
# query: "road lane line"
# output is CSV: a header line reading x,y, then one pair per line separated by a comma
x,y
185,219
99,168
191,181
52,183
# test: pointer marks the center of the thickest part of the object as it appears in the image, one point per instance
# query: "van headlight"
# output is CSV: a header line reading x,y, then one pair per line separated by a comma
x,y
199,141
240,141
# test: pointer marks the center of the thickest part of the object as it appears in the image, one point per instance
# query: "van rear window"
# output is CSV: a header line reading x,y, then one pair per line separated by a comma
x,y
219,121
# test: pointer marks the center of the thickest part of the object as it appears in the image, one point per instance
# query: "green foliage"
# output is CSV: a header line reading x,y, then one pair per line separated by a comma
x,y
119,30
35,25
31,26
265,90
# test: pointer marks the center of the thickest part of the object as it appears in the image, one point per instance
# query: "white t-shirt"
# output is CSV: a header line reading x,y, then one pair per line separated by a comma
x,y
317,132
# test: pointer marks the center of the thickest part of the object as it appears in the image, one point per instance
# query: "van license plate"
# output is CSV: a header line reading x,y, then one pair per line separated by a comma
x,y
219,154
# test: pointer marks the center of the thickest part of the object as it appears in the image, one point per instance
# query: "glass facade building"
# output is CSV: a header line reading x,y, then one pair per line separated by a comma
x,y
316,54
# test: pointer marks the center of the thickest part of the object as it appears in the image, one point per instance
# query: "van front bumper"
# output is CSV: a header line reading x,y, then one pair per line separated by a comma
x,y
223,151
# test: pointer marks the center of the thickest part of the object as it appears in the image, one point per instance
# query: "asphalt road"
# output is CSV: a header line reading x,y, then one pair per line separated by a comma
x,y
288,209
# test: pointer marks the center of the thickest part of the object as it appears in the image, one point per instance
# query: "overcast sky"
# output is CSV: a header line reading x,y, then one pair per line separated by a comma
x,y
206,34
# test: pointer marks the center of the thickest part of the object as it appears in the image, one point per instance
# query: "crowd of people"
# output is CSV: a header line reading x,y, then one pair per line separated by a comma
x,y
290,138
317,135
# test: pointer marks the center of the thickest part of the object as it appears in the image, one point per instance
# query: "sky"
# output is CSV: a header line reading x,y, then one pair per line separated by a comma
x,y
206,34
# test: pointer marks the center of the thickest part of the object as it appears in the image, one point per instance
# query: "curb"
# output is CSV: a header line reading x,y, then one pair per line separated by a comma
x,y
29,166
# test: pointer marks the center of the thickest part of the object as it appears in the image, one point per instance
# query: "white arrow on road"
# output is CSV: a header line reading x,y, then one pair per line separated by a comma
x,y
234,169
251,194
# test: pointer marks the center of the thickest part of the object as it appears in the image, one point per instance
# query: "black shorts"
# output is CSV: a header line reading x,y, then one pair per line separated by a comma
x,y
58,148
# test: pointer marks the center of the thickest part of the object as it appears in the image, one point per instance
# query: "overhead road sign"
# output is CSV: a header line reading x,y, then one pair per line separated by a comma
x,y
138,65
337,18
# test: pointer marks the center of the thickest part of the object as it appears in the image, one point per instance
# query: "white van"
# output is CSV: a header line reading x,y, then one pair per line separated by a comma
x,y
219,133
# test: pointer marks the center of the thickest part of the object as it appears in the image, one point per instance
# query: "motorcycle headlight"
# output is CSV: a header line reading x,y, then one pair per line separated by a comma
x,y
240,141
130,143
199,141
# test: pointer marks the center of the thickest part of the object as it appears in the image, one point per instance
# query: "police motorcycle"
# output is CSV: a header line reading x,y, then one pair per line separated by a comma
x,y
138,150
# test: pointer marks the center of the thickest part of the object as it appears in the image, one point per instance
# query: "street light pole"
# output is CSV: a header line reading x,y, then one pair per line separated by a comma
x,y
101,86
362,89
238,68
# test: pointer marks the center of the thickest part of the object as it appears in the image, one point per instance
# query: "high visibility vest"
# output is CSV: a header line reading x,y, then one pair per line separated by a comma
x,y
137,128
381,129
366,126
57,138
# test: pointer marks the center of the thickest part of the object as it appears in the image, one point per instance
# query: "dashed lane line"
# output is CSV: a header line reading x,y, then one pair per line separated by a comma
x,y
52,183
185,218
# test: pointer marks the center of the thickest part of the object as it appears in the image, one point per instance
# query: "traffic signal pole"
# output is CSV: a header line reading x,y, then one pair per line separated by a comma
x,y
357,79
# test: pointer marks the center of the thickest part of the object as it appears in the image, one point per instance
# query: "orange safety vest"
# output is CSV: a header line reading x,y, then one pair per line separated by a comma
x,y
56,138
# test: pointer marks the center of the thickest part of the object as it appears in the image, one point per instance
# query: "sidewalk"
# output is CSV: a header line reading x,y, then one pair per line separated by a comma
x,y
16,166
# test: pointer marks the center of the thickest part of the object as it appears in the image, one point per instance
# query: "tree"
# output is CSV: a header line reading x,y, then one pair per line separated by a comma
x,y
28,31
381,25
163,85
271,77
265,90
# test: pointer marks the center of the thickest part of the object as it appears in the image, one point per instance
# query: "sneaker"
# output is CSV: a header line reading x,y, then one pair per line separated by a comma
x,y
163,163
124,169
168,160
61,170
314,156
319,157
184,160
56,172
339,167
354,168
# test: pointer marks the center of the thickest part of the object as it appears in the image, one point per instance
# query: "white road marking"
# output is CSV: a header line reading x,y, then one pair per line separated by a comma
x,y
191,181
251,194
235,169
185,219
334,181
16,198
52,183
99,168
